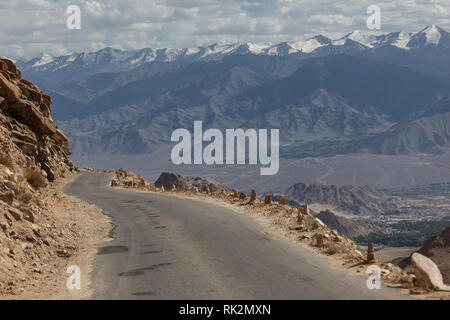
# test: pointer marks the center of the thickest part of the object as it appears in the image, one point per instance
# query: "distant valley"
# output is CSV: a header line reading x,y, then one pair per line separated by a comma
x,y
363,94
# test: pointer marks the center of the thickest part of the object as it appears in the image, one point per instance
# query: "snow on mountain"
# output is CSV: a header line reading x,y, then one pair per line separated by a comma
x,y
369,39
43,60
401,41
309,45
432,34
258,48
115,59
4,57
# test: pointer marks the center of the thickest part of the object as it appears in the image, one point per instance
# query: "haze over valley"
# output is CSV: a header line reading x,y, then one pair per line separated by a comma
x,y
224,150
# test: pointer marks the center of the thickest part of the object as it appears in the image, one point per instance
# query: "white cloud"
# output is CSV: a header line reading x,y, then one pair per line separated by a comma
x,y
29,27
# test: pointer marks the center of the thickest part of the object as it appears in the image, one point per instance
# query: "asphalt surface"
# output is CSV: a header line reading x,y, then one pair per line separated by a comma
x,y
165,247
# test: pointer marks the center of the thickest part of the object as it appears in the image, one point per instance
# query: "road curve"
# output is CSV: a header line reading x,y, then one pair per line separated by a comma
x,y
170,248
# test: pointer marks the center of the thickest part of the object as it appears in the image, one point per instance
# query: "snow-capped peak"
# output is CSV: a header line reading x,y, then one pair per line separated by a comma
x,y
433,34
43,59
111,59
311,44
430,36
367,38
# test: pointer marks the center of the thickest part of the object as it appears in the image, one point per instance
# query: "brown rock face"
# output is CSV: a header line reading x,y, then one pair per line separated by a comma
x,y
7,197
370,253
127,179
304,210
428,275
166,179
437,249
33,151
25,121
10,92
253,195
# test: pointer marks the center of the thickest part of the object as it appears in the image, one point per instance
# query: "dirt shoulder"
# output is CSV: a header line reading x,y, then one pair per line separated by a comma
x,y
67,233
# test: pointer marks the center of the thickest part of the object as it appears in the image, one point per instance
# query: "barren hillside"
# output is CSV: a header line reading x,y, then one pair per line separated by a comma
x,y
40,227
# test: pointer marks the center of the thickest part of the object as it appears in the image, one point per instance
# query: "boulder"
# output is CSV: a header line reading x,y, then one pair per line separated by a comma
x,y
26,112
304,210
15,213
370,253
10,91
437,248
300,216
310,222
428,275
253,195
320,240
10,67
166,179
7,197
2,103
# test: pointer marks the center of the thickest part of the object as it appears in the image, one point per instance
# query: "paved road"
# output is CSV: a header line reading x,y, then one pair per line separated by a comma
x,y
170,248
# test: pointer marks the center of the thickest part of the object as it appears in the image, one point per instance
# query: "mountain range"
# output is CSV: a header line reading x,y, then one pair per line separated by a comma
x,y
362,200
380,93
115,60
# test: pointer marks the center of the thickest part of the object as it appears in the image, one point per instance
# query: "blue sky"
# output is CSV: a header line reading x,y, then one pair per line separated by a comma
x,y
30,27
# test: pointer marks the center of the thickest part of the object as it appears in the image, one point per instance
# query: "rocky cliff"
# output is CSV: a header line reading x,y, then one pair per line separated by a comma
x,y
30,138
33,153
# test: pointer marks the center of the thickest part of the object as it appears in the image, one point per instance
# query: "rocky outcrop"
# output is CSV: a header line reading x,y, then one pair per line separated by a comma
x,y
127,179
356,200
427,273
437,249
167,179
26,121
33,153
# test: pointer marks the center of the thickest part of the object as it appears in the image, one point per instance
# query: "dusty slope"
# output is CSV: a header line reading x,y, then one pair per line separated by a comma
x,y
37,270
348,227
41,229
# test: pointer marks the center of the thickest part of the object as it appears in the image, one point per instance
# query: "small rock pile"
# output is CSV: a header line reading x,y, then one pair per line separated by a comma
x,y
167,179
127,179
